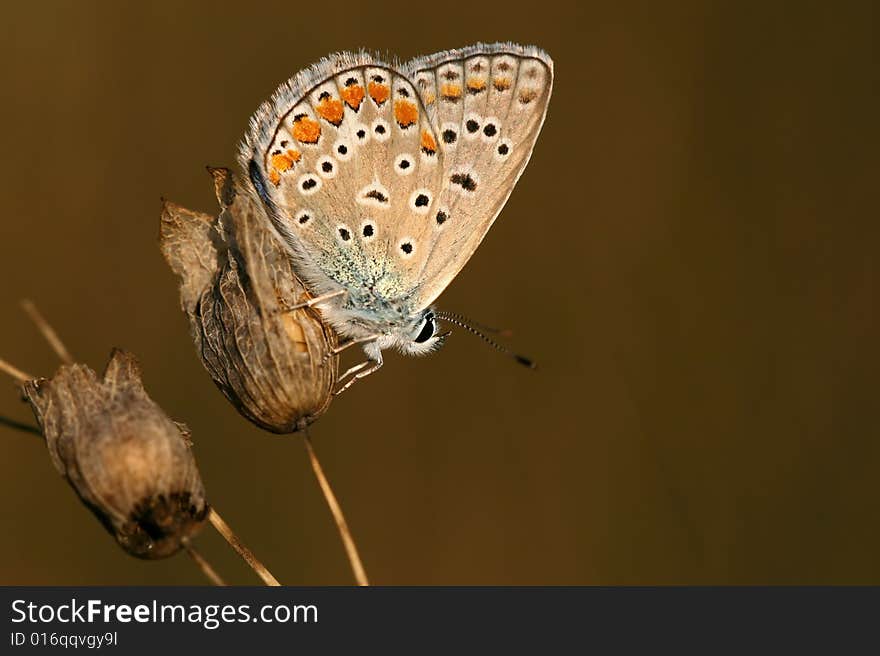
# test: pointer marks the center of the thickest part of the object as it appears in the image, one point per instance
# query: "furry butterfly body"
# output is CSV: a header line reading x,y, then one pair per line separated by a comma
x,y
382,179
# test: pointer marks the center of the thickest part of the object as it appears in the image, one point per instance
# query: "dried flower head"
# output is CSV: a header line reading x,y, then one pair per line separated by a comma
x,y
127,460
237,287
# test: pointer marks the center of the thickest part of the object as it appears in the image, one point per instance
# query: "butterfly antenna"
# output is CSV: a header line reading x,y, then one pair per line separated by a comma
x,y
462,323
504,332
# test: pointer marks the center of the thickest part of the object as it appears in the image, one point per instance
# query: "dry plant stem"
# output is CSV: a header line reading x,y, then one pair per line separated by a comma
x,y
204,565
20,426
18,374
357,566
47,331
248,556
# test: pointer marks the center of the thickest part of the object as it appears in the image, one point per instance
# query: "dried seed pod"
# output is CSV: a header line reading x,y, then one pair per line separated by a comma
x,y
237,285
126,459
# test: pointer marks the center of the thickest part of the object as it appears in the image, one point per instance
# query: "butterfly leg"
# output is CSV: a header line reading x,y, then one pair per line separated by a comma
x,y
316,300
358,373
360,340
353,370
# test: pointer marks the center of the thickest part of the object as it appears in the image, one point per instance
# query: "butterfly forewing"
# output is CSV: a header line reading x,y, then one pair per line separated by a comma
x,y
352,168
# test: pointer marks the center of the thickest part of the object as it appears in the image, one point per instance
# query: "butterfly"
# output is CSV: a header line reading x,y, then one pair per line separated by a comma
x,y
381,179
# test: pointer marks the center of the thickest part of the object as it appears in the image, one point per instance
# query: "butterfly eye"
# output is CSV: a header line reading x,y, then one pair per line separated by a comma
x,y
427,331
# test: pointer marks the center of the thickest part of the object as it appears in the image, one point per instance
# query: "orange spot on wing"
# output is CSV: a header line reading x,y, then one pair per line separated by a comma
x,y
294,155
353,96
475,85
282,163
330,109
306,130
406,113
429,145
379,92
501,83
450,91
527,95
429,98
274,177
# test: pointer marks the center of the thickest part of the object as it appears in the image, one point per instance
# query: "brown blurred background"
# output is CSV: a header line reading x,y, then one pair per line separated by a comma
x,y
690,257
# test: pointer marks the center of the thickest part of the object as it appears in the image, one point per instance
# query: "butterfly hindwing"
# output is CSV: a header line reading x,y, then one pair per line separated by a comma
x,y
488,105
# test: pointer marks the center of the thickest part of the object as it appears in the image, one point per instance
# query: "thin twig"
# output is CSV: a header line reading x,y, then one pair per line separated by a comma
x,y
47,331
248,556
203,564
18,374
357,567
21,426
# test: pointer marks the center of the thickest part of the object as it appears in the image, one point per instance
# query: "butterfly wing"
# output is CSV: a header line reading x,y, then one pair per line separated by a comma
x,y
354,160
487,104
347,161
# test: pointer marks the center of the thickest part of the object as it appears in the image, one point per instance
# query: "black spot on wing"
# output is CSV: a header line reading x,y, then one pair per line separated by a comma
x,y
464,180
